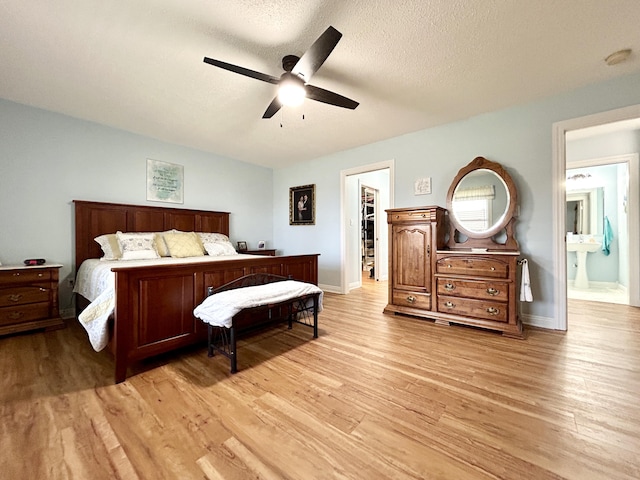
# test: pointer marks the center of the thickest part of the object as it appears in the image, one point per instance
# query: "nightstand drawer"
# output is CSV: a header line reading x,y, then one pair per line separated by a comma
x,y
23,295
24,313
25,276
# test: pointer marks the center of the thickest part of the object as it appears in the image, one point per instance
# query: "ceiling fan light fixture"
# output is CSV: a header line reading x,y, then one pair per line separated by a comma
x,y
291,91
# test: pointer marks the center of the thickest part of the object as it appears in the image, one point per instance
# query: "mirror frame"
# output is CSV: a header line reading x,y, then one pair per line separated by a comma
x,y
486,239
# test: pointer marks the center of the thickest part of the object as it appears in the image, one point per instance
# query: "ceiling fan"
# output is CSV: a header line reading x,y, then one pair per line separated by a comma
x,y
293,86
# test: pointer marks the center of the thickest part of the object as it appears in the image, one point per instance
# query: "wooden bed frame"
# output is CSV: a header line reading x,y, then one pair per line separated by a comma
x,y
154,305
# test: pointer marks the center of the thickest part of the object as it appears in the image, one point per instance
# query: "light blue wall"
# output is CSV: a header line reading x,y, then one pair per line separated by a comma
x,y
47,160
520,138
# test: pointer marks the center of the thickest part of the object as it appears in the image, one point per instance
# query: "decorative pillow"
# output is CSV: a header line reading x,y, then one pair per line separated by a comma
x,y
220,248
161,245
183,244
110,246
206,237
137,246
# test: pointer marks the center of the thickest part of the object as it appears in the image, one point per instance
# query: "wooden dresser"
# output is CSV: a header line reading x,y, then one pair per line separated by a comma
x,y
459,265
29,298
478,289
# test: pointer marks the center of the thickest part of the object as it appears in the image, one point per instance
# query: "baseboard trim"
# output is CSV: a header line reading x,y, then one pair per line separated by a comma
x,y
538,321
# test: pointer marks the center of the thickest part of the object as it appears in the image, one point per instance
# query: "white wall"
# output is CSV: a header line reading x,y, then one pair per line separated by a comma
x,y
520,138
47,160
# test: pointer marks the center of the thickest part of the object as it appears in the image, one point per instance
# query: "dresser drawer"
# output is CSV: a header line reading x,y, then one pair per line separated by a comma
x,y
411,216
412,299
494,311
25,276
24,313
473,266
23,295
483,290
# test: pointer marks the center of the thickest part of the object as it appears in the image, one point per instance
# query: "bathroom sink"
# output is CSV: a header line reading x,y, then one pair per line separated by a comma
x,y
583,247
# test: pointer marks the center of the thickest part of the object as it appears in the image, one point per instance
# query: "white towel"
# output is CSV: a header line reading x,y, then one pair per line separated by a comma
x,y
525,287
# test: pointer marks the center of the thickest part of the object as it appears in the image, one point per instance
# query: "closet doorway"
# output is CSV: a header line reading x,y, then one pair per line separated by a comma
x,y
369,231
378,176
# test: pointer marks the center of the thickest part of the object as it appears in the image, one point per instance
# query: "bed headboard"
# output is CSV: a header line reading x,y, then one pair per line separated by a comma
x,y
96,218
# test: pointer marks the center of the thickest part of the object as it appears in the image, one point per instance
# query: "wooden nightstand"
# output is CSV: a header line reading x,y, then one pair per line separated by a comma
x,y
29,298
265,251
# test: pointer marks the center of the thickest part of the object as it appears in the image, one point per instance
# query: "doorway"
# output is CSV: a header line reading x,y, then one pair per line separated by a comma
x,y
369,227
378,176
615,120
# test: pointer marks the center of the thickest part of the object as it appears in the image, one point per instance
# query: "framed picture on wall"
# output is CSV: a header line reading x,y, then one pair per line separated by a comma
x,y
302,205
242,246
165,182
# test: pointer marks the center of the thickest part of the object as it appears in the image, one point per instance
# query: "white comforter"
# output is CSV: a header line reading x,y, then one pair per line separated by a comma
x,y
96,282
219,309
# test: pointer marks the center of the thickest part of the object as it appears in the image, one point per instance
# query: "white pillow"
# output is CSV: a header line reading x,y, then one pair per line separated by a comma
x,y
137,246
207,237
110,246
220,248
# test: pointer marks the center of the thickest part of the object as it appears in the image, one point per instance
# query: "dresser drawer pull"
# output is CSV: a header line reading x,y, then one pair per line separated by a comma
x,y
493,291
493,269
449,286
17,274
493,311
15,315
15,297
448,265
411,299
449,304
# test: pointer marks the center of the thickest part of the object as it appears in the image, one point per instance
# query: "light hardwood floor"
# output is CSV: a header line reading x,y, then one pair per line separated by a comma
x,y
374,397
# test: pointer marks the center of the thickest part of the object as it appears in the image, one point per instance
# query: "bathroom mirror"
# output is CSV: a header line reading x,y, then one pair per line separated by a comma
x,y
481,201
585,211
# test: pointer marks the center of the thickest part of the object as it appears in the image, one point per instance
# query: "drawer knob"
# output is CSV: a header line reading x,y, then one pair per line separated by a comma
x,y
16,297
448,265
492,291
411,299
493,268
15,315
449,304
17,274
493,311
449,286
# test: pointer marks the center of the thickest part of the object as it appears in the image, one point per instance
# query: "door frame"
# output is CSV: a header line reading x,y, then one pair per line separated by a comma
x,y
344,228
559,166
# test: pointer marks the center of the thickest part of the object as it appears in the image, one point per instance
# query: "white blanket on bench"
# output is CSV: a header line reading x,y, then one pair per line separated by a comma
x,y
218,309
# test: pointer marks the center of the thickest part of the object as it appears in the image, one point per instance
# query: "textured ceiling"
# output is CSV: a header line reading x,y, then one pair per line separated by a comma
x,y
137,65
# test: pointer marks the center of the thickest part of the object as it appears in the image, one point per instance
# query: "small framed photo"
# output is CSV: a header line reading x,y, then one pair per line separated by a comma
x,y
242,246
302,205
262,245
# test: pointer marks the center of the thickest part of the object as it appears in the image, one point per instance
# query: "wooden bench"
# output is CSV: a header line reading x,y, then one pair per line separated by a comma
x,y
301,309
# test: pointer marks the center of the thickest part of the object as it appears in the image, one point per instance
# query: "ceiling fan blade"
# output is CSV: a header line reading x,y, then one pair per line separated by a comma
x,y
313,58
242,71
273,107
325,96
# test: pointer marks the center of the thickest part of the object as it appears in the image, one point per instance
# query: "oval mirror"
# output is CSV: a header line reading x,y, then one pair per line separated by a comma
x,y
481,202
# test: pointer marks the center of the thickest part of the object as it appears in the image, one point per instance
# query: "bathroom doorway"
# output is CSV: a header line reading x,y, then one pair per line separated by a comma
x,y
606,123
